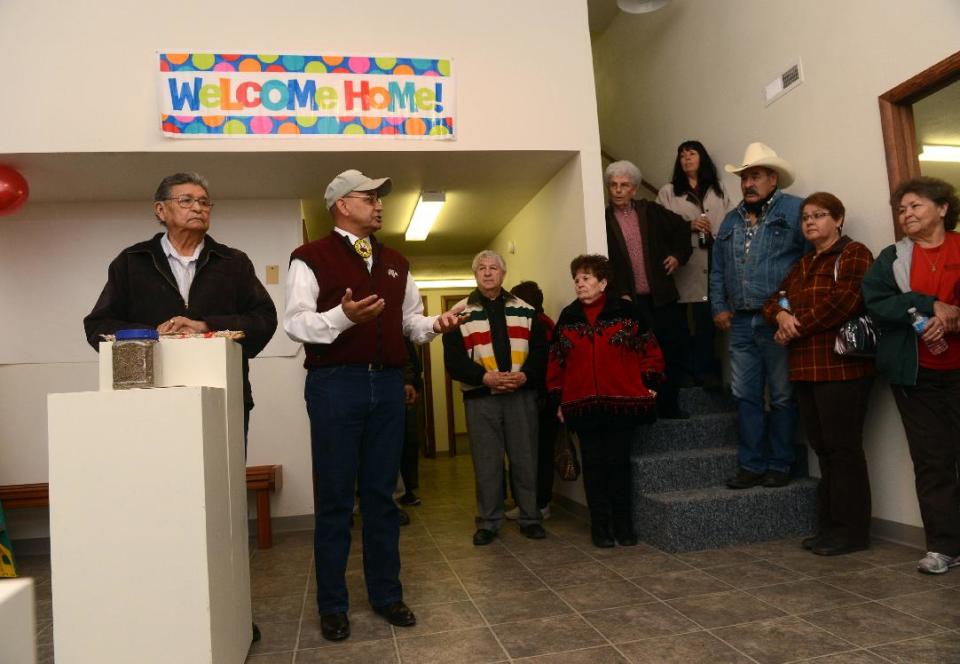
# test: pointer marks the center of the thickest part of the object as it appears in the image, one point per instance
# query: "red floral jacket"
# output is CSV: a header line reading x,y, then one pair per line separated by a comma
x,y
603,372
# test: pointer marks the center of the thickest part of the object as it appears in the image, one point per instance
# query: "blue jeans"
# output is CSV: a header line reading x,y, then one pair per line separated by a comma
x,y
756,360
356,436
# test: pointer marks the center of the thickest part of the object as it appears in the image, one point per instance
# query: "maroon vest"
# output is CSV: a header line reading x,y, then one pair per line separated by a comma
x,y
338,267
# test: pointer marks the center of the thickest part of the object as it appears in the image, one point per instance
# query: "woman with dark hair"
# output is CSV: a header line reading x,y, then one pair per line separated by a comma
x,y
601,365
695,194
912,292
822,292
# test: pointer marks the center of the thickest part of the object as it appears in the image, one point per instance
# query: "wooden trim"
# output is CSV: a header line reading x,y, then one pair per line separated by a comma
x,y
25,495
897,125
447,303
430,435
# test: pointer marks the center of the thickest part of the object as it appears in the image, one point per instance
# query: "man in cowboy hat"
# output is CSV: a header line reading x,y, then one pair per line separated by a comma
x,y
755,247
350,301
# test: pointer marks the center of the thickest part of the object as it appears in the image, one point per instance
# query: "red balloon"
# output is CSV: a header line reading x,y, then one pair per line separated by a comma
x,y
14,190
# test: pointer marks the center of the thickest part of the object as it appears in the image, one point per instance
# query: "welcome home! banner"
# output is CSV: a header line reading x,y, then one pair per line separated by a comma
x,y
218,95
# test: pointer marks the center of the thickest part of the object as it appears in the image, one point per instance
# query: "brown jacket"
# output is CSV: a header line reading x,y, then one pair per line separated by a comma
x,y
664,234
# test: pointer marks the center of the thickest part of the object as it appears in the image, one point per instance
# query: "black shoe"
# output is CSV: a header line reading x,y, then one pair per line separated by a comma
x,y
403,517
483,537
774,479
533,531
625,536
810,542
602,537
745,479
828,547
409,498
256,633
398,614
335,626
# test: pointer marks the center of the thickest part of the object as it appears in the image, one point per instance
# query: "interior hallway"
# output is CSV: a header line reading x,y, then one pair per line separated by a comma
x,y
562,600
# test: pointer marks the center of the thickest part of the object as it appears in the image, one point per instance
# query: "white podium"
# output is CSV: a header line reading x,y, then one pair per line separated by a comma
x,y
148,513
17,622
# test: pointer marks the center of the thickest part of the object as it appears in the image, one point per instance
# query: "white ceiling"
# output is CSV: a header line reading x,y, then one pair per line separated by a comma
x,y
485,190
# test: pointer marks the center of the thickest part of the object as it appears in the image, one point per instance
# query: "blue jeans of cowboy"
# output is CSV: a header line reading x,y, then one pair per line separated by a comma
x,y
756,362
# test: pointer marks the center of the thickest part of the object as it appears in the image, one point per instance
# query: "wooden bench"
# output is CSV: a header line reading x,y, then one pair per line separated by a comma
x,y
260,479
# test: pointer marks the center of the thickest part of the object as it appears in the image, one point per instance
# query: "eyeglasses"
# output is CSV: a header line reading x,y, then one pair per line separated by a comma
x,y
372,199
186,202
818,215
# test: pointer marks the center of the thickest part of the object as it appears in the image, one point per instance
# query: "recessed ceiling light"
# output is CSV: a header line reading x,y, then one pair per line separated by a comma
x,y
940,153
640,6
425,284
427,210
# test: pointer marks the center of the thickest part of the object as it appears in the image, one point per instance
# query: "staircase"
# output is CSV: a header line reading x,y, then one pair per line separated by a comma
x,y
679,472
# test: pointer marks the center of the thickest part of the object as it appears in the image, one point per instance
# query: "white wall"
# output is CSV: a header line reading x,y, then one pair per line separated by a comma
x,y
83,76
696,70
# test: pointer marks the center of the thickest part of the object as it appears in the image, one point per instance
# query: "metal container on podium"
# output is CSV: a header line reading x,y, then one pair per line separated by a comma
x,y
148,513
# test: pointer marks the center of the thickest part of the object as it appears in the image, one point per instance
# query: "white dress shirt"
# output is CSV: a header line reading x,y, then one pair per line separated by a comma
x,y
184,268
303,323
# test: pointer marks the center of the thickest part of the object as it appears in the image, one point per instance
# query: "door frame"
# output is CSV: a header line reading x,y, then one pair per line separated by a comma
x,y
446,303
897,125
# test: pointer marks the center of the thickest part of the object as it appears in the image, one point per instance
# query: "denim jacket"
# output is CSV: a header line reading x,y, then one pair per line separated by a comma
x,y
740,281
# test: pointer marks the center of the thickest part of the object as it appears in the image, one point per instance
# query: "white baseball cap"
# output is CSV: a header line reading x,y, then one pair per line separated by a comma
x,y
353,180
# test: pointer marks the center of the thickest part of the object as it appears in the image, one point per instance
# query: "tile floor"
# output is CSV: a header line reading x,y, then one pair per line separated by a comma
x,y
560,600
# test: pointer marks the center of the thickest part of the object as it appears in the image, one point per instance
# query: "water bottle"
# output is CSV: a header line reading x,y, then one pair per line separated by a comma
x,y
783,301
920,323
702,241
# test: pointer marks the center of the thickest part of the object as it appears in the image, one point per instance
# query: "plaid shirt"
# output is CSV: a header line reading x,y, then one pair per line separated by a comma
x,y
821,303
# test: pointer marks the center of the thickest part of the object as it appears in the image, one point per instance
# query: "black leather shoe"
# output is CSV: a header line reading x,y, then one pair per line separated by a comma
x,y
256,633
335,626
533,531
810,542
828,547
398,614
745,479
483,537
602,537
403,517
775,479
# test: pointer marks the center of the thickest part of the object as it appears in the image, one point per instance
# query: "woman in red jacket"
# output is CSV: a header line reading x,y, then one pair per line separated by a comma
x,y
601,361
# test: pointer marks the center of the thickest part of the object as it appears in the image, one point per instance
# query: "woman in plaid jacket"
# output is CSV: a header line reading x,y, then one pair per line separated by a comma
x,y
822,292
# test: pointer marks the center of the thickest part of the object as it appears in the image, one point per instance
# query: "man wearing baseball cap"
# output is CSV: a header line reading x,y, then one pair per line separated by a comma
x,y
350,301
756,246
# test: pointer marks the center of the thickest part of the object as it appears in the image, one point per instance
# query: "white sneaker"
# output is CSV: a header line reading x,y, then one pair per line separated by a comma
x,y
513,514
937,563
545,512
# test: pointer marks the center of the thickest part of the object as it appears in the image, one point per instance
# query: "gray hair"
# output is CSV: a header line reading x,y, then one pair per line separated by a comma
x,y
623,168
171,181
491,254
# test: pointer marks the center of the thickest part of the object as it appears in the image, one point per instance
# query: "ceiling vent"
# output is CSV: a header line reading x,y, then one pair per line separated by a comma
x,y
784,83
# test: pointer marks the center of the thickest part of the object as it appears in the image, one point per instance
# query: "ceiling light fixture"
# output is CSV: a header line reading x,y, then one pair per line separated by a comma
x,y
640,6
426,212
949,153
428,284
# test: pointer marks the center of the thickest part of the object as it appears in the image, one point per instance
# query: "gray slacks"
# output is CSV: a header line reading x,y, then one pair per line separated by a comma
x,y
497,424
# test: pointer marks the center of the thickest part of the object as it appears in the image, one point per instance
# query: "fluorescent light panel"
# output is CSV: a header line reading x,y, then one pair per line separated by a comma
x,y
940,153
426,284
426,212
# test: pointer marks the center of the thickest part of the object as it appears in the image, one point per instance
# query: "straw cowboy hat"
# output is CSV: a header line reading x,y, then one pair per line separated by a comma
x,y
759,154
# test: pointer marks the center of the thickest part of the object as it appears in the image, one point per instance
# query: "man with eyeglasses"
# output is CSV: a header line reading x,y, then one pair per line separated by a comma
x,y
351,301
182,280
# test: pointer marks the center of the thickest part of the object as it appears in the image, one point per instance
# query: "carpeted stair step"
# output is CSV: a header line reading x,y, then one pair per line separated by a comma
x,y
683,469
697,432
700,401
713,517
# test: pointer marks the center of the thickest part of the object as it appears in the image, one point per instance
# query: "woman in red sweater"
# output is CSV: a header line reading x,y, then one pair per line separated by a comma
x,y
601,363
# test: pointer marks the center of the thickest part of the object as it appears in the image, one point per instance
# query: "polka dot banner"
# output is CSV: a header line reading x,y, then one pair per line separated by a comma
x,y
258,95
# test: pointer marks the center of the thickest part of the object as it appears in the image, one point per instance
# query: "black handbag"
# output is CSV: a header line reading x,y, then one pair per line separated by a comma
x,y
857,337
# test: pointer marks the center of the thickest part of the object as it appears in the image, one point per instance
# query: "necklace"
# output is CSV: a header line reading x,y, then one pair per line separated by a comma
x,y
933,264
